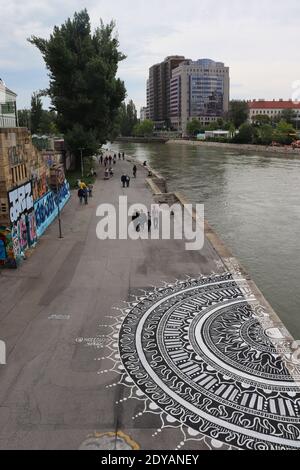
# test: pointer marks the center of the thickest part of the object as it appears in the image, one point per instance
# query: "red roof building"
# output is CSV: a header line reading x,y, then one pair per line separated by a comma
x,y
272,108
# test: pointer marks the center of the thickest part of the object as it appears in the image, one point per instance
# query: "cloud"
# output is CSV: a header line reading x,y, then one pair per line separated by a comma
x,y
257,39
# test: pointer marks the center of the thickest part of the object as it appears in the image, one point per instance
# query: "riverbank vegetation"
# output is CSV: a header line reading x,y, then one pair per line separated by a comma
x,y
261,131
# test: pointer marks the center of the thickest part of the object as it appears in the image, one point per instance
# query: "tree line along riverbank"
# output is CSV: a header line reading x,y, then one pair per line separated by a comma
x,y
245,147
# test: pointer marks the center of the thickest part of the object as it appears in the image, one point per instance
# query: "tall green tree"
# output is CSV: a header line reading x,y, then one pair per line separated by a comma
x,y
127,118
84,89
36,112
238,112
24,118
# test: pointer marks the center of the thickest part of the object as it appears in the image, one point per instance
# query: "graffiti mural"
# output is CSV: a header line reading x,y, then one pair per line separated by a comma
x,y
7,253
46,208
39,186
206,357
22,217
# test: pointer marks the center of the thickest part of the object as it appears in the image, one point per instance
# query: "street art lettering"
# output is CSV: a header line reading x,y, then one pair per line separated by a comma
x,y
22,217
20,201
46,208
201,355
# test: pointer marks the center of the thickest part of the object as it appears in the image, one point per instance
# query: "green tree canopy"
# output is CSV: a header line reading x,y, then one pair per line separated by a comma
x,y
36,113
194,127
84,89
127,118
284,133
144,128
238,112
246,134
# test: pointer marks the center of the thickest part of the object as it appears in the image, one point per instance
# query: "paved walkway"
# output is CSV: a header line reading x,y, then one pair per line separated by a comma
x,y
187,378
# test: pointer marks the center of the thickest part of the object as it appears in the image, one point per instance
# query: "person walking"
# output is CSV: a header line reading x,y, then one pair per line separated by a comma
x,y
134,171
119,155
86,194
123,180
110,160
127,181
101,159
115,160
123,155
80,195
105,161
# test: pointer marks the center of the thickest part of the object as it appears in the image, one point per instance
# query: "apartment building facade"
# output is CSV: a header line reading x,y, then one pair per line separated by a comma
x,y
158,90
198,89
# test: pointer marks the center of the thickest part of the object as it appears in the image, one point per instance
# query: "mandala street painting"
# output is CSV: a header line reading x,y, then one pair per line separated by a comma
x,y
206,355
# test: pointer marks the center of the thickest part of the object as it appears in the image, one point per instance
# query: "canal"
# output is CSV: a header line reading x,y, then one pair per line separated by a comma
x,y
252,201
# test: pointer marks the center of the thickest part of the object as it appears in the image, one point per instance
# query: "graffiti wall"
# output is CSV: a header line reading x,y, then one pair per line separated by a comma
x,y
29,220
46,208
22,217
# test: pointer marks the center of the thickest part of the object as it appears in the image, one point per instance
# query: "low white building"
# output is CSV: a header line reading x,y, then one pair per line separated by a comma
x,y
8,107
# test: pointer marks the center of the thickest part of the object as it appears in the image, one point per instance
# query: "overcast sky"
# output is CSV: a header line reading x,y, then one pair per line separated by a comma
x,y
257,39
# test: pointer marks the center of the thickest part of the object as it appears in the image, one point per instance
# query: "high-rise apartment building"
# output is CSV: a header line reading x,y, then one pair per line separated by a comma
x,y
198,90
158,90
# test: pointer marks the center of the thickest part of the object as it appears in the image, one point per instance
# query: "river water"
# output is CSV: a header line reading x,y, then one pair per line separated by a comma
x,y
252,201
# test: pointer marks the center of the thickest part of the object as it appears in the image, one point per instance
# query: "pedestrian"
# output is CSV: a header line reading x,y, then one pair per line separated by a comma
x,y
127,181
101,159
123,155
115,160
80,195
106,162
86,193
149,222
123,180
134,171
111,171
106,174
119,155
90,190
110,159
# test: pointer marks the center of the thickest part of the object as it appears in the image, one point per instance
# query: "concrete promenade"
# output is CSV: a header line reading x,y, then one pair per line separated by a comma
x,y
65,386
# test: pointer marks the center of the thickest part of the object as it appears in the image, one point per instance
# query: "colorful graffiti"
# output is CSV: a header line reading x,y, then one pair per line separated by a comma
x,y
7,253
46,208
39,187
29,220
22,217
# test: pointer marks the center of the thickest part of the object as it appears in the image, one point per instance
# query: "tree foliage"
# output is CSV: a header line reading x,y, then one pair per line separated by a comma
x,y
127,118
36,113
84,89
194,127
238,112
144,128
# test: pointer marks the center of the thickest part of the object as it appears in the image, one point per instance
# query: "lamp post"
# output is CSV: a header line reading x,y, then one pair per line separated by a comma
x,y
81,159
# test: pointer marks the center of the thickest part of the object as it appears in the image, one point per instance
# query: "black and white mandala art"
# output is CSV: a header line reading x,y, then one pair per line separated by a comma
x,y
205,356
